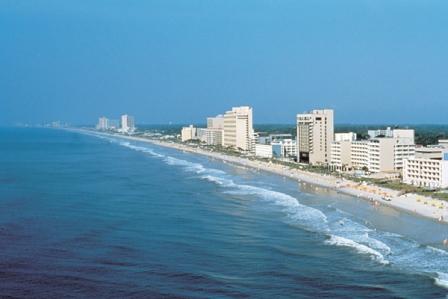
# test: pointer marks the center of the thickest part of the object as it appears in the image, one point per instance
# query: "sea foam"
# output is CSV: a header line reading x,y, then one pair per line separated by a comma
x,y
360,248
305,216
141,149
342,231
441,280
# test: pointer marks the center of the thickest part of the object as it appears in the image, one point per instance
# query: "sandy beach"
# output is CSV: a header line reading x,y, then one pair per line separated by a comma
x,y
413,203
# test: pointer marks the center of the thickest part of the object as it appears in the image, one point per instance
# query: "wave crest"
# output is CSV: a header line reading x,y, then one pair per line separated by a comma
x,y
441,280
360,248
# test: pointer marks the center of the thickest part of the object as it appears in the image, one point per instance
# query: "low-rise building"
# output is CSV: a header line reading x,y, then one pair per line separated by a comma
x,y
443,142
350,136
427,171
290,148
201,134
378,154
263,150
213,136
215,130
380,133
285,148
430,152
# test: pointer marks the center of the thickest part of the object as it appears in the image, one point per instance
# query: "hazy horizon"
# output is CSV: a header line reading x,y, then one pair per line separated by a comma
x,y
181,61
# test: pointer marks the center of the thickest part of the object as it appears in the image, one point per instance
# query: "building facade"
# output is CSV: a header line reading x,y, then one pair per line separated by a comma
x,y
127,123
285,148
380,133
263,150
350,136
238,129
103,123
443,143
188,133
216,122
213,137
201,134
341,155
426,172
315,134
378,154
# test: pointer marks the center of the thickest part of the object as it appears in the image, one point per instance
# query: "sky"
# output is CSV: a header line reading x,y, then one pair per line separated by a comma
x,y
373,61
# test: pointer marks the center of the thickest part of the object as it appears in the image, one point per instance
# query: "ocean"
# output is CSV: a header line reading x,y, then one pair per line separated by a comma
x,y
88,216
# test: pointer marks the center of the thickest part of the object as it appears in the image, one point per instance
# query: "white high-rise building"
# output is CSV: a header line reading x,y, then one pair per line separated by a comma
x,y
188,133
404,146
216,122
315,133
127,124
103,123
238,129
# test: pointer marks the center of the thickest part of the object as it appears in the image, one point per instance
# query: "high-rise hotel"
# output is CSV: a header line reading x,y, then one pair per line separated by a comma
x,y
315,133
127,123
238,128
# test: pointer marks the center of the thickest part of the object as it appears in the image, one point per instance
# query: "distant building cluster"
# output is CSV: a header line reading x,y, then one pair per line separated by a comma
x,y
234,130
126,124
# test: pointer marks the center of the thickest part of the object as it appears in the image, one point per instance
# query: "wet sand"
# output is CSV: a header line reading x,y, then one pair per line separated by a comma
x,y
413,203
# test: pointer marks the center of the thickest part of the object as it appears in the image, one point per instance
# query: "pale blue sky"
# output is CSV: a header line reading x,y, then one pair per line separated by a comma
x,y
372,61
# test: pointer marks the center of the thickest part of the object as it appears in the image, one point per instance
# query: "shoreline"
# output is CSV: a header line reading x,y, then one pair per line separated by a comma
x,y
412,203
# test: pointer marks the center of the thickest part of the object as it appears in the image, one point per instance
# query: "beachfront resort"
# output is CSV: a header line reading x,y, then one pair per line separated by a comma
x,y
385,162
386,154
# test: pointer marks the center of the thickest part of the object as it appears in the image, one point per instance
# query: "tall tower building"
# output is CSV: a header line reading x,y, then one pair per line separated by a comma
x,y
238,128
315,133
103,123
127,123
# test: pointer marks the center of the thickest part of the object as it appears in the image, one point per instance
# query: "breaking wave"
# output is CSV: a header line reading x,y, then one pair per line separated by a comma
x,y
360,248
441,280
383,247
141,149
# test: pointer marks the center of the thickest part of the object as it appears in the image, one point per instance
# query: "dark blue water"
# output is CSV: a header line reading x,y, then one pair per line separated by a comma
x,y
82,216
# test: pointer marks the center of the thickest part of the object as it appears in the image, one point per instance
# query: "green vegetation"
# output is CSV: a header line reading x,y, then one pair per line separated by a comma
x,y
424,134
